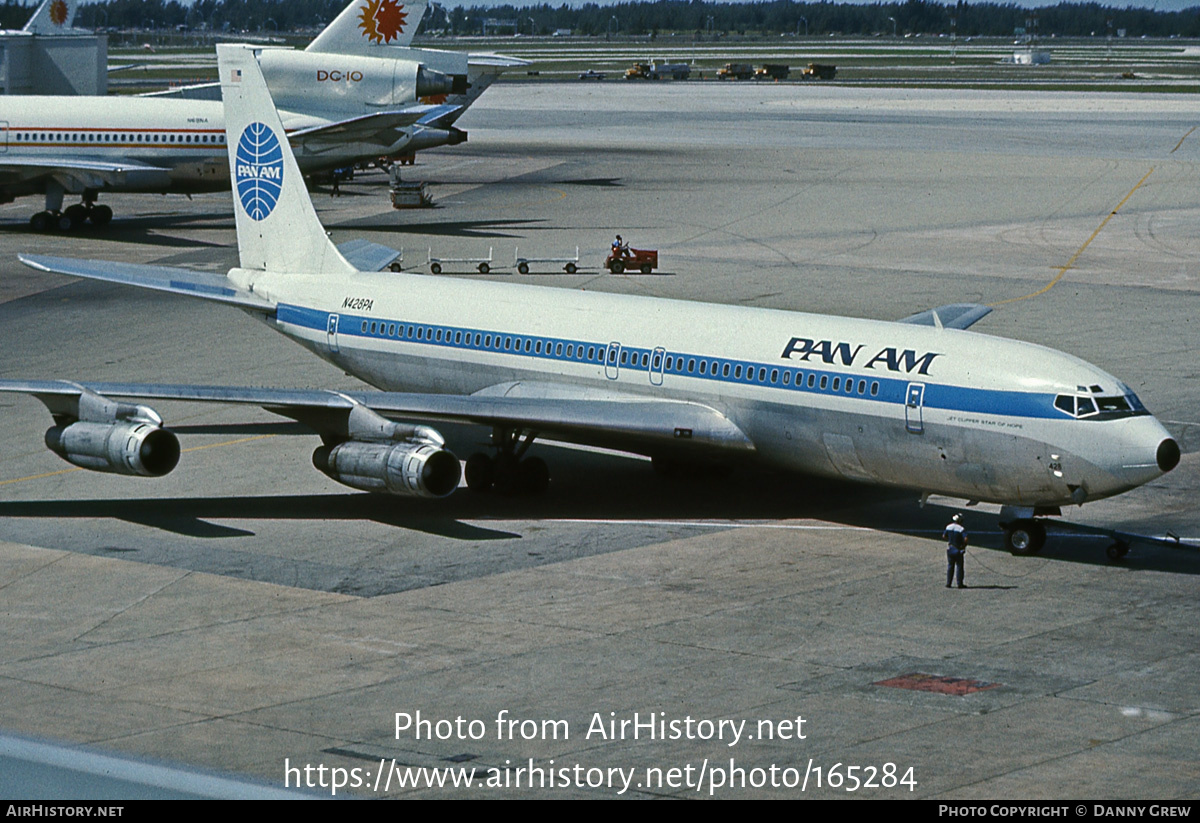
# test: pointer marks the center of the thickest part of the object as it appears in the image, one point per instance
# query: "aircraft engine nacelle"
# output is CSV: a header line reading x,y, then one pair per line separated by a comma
x,y
406,469
430,82
124,447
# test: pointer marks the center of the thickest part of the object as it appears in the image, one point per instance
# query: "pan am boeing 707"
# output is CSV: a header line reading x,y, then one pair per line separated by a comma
x,y
920,403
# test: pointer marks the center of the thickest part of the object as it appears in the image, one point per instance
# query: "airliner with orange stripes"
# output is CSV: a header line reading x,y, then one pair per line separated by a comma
x,y
351,96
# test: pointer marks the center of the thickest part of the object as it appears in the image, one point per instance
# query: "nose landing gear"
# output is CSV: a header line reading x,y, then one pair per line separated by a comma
x,y
1024,536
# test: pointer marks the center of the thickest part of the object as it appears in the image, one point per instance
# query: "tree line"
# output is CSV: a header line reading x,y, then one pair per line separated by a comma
x,y
695,18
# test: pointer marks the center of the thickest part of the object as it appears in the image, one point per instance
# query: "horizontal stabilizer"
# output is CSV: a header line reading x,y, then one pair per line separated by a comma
x,y
496,61
953,316
378,127
367,256
198,91
159,278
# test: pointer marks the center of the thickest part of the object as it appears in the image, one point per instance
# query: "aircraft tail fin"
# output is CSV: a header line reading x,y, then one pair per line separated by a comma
x,y
277,227
52,17
367,26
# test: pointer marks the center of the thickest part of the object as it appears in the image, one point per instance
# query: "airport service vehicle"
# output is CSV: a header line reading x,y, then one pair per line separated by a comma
x,y
772,71
658,71
644,260
919,404
735,71
818,71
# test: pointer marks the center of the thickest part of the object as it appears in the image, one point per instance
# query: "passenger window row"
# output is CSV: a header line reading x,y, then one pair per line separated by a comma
x,y
629,357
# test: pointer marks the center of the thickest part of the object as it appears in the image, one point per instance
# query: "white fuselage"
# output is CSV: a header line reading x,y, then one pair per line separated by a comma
x,y
182,142
942,410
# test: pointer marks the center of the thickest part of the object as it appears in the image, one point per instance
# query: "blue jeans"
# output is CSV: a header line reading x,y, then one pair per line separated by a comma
x,y
954,560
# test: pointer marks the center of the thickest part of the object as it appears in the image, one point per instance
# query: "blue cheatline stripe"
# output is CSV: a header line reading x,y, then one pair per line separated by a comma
x,y
716,369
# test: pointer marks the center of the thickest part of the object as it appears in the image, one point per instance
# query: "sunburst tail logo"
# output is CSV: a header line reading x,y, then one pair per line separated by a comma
x,y
58,12
382,21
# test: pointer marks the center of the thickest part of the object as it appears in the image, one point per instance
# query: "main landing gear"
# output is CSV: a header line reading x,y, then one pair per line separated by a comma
x,y
55,218
509,472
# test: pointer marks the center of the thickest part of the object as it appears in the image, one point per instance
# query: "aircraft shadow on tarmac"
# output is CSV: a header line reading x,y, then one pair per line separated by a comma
x,y
599,488
498,228
145,230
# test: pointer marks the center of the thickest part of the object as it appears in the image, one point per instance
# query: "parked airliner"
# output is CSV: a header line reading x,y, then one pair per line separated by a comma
x,y
339,109
920,403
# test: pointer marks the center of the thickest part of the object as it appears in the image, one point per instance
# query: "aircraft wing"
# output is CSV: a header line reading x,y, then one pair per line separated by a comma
x,y
624,422
48,163
953,316
89,174
214,287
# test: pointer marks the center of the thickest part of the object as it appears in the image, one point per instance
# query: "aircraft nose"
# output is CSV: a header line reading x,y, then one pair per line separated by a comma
x,y
1167,455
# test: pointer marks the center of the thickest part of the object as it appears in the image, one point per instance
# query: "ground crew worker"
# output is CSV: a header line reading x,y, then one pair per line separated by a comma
x,y
956,549
620,248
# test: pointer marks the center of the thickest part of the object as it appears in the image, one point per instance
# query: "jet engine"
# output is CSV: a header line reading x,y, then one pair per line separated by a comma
x,y
126,447
407,469
94,432
380,455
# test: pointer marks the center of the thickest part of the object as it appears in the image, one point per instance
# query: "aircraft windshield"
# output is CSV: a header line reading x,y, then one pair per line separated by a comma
x,y
1098,408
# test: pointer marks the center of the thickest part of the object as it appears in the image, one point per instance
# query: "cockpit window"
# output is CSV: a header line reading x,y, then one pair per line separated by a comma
x,y
1098,408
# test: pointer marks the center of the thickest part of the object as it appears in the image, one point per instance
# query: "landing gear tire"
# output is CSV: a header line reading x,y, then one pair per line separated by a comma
x,y
40,222
506,475
63,222
480,472
1117,551
100,215
533,475
506,481
77,214
1025,537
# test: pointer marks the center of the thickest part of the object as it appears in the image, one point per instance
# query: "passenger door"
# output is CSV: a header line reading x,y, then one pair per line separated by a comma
x,y
331,333
914,408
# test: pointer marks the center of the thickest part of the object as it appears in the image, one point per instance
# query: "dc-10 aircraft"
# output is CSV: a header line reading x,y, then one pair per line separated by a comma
x,y
341,109
921,403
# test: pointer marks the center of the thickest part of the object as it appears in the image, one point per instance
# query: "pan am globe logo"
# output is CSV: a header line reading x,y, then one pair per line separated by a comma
x,y
259,170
